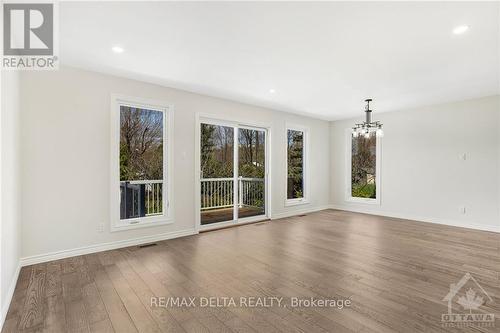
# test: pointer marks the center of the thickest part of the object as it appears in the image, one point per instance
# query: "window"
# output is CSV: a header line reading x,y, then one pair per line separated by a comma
x,y
363,168
140,163
296,170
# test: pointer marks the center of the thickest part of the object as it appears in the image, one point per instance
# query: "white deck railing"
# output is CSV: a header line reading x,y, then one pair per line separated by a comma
x,y
153,197
145,197
218,192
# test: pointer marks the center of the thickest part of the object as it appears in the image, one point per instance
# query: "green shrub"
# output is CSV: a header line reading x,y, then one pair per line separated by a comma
x,y
364,191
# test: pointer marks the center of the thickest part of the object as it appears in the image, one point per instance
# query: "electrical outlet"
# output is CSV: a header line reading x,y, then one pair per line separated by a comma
x,y
462,210
462,156
100,228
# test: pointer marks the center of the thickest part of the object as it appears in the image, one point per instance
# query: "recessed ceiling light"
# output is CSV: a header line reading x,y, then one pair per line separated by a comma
x,y
117,49
460,29
272,91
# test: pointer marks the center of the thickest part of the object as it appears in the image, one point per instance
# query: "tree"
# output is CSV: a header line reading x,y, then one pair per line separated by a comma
x,y
252,153
141,144
363,164
295,160
216,149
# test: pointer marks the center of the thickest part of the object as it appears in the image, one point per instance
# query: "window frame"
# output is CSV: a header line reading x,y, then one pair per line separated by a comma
x,y
117,224
305,165
348,168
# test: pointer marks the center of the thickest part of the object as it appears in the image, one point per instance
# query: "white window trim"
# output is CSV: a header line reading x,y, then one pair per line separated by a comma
x,y
305,165
348,160
168,136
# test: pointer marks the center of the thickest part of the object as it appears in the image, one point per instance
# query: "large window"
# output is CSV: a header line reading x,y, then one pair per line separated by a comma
x,y
296,166
140,163
363,168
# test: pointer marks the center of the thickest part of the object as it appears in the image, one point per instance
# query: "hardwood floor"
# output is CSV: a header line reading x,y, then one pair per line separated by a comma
x,y
396,273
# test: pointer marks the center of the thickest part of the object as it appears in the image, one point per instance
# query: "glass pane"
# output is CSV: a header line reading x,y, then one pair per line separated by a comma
x,y
252,169
141,162
363,167
295,160
217,183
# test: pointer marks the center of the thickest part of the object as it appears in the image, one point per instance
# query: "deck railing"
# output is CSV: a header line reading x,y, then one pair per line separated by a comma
x,y
141,198
219,192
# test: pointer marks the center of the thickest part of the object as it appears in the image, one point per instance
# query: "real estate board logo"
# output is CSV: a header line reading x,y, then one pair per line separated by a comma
x,y
470,297
29,36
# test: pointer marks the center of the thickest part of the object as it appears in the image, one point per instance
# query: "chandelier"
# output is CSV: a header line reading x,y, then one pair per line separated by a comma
x,y
368,126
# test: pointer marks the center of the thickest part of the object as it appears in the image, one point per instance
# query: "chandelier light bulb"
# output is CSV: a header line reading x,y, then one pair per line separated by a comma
x,y
380,133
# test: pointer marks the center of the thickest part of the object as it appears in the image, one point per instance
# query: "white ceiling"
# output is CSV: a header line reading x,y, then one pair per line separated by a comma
x,y
322,58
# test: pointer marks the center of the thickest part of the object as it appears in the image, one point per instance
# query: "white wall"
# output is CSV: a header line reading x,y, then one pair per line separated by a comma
x,y
422,176
65,154
10,193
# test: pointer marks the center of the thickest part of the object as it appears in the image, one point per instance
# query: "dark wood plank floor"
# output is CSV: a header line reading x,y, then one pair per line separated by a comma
x,y
396,272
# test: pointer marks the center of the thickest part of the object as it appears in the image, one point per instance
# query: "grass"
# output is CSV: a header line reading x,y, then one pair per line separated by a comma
x,y
364,191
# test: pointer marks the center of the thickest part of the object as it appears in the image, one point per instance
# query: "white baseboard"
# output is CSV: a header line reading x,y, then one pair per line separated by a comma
x,y
482,227
299,212
104,247
10,294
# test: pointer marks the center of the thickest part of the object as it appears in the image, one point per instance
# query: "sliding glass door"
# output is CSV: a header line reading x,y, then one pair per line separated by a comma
x,y
217,173
251,172
232,173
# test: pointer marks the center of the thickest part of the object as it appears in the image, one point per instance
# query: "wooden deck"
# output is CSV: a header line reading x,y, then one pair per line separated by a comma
x,y
226,214
396,272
